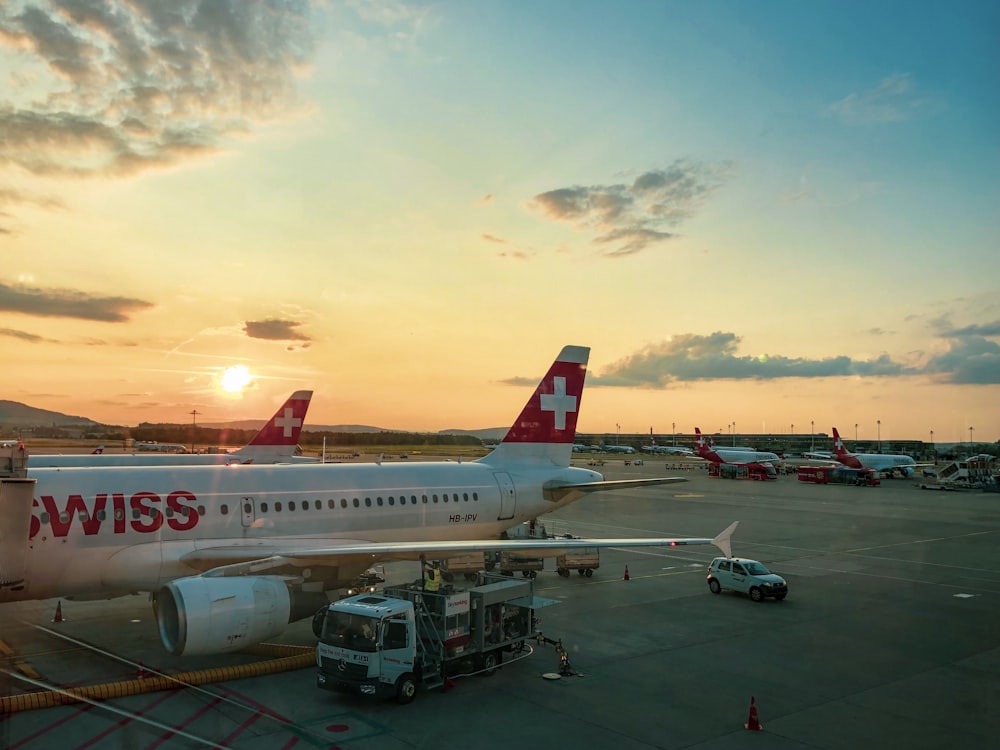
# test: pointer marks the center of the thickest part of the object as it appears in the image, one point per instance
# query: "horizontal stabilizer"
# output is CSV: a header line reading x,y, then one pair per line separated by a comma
x,y
556,491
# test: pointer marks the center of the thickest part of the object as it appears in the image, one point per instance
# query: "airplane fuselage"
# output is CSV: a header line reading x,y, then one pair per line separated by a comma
x,y
104,532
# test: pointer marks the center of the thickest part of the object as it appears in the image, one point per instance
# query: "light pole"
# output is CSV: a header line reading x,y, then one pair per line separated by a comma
x,y
970,438
673,431
812,435
933,449
618,433
793,428
855,436
878,434
194,416
734,433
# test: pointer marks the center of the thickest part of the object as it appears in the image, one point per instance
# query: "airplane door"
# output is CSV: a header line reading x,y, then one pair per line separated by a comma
x,y
15,526
508,498
247,509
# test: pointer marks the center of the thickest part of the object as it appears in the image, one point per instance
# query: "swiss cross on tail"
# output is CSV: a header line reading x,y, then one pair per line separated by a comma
x,y
551,412
285,426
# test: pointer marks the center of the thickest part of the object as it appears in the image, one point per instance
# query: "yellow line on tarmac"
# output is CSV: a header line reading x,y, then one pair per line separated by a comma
x,y
18,663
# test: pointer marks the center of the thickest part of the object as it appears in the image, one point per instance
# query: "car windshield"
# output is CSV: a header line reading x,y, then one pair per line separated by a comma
x,y
756,569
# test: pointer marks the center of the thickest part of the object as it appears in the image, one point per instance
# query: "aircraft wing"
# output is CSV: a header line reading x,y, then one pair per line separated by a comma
x,y
556,491
371,552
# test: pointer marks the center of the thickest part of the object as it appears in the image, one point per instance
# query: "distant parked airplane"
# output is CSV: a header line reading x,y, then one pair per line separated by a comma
x,y
727,456
888,462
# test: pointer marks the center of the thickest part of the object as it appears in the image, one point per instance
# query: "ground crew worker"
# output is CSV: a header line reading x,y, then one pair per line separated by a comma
x,y
432,577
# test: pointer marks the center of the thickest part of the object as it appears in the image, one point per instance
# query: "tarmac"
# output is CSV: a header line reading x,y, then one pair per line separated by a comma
x,y
889,637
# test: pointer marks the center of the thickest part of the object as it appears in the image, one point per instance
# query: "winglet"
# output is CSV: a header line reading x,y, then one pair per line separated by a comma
x,y
546,427
724,540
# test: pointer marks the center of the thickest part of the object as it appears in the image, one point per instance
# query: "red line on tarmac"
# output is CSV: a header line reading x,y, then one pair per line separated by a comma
x,y
190,720
148,707
49,728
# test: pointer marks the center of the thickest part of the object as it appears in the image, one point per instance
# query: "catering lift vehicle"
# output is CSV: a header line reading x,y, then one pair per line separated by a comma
x,y
755,470
838,475
394,642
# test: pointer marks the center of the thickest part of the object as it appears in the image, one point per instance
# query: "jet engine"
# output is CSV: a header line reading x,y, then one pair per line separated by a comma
x,y
214,615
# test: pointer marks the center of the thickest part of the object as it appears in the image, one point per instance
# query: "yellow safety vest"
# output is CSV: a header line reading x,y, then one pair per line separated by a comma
x,y
432,579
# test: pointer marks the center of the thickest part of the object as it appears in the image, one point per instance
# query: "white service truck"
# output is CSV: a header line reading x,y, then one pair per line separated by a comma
x,y
390,643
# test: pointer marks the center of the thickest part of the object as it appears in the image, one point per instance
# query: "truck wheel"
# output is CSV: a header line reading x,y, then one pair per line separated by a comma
x,y
714,586
756,594
589,572
491,660
563,572
471,576
581,571
525,573
448,577
532,574
406,688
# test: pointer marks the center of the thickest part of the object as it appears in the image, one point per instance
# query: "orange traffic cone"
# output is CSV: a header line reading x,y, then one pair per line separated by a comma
x,y
753,723
58,615
627,576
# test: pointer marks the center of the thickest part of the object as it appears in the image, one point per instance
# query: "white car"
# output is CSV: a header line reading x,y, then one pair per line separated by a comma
x,y
747,576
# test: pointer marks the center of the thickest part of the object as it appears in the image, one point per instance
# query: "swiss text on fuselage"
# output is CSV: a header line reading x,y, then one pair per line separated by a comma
x,y
149,513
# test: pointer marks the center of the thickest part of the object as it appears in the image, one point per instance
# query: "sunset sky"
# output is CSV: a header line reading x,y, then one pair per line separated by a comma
x,y
760,213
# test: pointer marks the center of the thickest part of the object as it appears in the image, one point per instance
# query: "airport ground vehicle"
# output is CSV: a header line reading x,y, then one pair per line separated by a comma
x,y
759,471
585,561
466,565
392,642
747,576
838,475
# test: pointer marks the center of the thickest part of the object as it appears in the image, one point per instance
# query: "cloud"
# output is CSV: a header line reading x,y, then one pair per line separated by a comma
x,y
691,357
986,329
274,330
969,360
892,100
132,85
23,336
68,303
628,218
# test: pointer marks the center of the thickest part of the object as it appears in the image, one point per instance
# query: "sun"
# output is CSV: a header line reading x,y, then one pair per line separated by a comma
x,y
234,379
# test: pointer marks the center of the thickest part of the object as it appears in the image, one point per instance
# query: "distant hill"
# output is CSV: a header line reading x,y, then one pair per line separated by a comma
x,y
491,433
16,414
256,424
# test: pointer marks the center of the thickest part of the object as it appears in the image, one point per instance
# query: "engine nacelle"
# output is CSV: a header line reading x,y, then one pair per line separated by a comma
x,y
213,615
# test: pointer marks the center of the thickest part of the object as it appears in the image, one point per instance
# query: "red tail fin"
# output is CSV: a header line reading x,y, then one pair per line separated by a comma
x,y
280,436
546,426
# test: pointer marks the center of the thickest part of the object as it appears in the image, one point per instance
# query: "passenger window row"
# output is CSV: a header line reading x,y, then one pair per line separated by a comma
x,y
368,502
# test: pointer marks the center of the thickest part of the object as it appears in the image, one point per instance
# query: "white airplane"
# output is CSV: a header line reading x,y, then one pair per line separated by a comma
x,y
877,461
276,442
235,553
667,450
618,449
719,455
156,447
